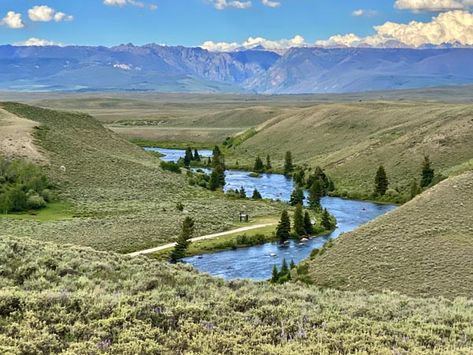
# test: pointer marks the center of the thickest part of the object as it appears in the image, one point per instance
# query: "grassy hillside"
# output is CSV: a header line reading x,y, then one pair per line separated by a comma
x,y
58,299
351,140
122,200
422,248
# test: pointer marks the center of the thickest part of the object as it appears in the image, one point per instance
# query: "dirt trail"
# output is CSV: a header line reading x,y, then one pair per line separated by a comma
x,y
205,237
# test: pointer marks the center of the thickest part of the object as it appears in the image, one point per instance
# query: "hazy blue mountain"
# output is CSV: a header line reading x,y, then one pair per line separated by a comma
x,y
339,70
181,69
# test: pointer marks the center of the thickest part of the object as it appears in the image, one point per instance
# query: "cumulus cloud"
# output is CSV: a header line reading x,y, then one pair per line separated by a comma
x,y
432,5
12,20
235,4
45,13
453,27
270,3
254,42
364,13
121,3
38,42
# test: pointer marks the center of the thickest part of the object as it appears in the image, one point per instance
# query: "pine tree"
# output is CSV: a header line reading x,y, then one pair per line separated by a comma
x,y
220,172
299,221
259,166
427,173
315,195
214,182
288,165
256,195
275,275
188,157
326,221
297,197
299,177
242,192
292,265
283,231
268,166
415,189
381,182
196,155
308,227
183,241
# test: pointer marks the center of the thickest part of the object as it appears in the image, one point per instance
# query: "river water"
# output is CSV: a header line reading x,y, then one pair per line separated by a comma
x,y
257,262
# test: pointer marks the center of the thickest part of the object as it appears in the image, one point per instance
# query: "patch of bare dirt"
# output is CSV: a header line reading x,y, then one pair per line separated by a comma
x,y
16,137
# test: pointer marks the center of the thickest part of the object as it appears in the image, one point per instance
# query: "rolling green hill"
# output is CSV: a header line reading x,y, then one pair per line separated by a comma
x,y
422,248
67,299
351,140
121,199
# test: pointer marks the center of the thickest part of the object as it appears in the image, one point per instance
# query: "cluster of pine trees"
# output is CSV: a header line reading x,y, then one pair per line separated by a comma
x,y
427,175
260,167
283,275
241,193
317,183
190,157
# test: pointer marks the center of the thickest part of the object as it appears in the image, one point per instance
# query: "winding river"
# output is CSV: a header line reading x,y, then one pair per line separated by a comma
x,y
257,262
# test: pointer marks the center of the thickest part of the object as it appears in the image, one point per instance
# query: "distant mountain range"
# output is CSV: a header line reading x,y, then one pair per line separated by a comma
x,y
181,69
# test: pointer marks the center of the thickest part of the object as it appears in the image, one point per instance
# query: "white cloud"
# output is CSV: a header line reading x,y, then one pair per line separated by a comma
x,y
121,3
432,5
12,20
253,42
235,4
453,27
38,42
270,3
364,13
45,13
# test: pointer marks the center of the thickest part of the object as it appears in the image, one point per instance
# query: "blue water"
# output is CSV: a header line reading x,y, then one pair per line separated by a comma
x,y
176,154
257,262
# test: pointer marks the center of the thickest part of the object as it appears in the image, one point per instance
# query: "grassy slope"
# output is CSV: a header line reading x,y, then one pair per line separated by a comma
x,y
124,201
59,298
351,140
422,248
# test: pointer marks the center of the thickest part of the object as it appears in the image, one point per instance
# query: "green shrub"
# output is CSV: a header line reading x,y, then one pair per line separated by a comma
x,y
171,166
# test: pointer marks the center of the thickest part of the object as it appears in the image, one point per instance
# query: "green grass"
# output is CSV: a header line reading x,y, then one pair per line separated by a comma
x,y
58,299
54,211
423,248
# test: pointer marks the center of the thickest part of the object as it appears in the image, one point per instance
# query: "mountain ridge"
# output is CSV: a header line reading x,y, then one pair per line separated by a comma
x,y
160,68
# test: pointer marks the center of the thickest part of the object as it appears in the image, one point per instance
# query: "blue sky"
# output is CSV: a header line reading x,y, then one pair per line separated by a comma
x,y
192,22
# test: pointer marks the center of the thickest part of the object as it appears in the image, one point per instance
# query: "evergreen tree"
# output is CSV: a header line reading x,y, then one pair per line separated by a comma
x,y
283,230
299,221
315,194
415,189
299,177
196,155
183,241
214,182
427,173
292,265
209,161
326,221
275,275
259,166
381,182
256,195
297,197
188,157
284,267
220,171
308,227
288,165
268,166
242,192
